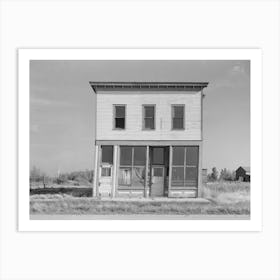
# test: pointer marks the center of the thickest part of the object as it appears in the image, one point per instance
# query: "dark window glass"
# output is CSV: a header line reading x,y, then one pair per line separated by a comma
x,y
178,155
125,176
192,156
158,172
125,155
178,111
149,117
191,173
106,172
185,172
140,156
120,116
178,123
132,166
178,116
107,154
158,156
149,123
120,111
177,176
119,123
191,176
138,176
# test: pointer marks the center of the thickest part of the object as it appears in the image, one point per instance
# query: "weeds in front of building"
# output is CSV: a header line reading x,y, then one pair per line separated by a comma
x,y
71,194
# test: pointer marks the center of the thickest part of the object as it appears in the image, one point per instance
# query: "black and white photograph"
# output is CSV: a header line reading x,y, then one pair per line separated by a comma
x,y
140,139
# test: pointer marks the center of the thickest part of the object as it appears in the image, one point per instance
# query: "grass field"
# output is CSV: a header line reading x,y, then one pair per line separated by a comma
x,y
225,198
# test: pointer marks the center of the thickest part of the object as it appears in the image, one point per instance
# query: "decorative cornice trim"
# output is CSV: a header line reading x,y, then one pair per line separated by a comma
x,y
147,86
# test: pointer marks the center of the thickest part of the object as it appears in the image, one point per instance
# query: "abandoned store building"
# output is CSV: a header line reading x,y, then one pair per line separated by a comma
x,y
148,139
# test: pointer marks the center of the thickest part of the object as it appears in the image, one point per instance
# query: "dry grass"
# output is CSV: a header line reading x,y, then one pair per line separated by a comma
x,y
224,199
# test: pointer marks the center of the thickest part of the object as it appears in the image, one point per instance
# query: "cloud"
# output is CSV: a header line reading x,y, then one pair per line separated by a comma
x,y
237,69
40,101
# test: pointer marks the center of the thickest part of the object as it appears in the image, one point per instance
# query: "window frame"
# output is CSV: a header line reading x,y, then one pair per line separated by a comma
x,y
143,117
172,113
114,116
185,165
131,167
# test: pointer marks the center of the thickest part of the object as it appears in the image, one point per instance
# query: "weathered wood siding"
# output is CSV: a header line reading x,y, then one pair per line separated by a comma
x,y
134,101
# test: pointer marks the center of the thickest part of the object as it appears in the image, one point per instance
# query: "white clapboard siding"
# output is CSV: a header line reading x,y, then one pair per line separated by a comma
x,y
134,101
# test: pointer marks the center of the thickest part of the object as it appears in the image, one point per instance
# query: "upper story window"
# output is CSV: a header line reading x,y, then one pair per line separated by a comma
x,y
178,116
148,116
119,116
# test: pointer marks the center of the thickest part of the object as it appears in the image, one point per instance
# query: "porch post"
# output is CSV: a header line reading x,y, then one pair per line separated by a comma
x,y
170,170
199,181
114,178
96,171
146,186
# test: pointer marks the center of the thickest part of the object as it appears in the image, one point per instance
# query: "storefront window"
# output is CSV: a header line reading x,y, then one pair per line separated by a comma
x,y
185,166
132,166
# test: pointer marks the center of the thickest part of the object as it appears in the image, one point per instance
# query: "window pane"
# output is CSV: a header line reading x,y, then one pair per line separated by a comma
x,y
178,155
125,155
158,172
106,172
158,156
125,176
178,111
192,156
149,123
191,177
177,176
149,111
119,111
178,123
140,156
107,154
138,176
119,123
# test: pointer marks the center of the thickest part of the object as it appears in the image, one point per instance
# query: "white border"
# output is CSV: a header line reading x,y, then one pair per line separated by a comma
x,y
255,222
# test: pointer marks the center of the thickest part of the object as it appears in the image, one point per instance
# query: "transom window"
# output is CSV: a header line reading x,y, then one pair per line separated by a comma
x,y
119,116
148,116
178,116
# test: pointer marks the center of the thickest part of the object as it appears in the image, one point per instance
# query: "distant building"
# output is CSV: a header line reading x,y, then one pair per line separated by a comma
x,y
148,139
243,174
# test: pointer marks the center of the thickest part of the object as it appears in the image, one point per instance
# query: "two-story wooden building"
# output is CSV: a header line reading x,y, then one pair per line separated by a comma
x,y
148,139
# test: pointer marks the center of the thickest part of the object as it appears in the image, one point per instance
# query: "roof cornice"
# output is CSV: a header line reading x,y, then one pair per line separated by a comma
x,y
148,86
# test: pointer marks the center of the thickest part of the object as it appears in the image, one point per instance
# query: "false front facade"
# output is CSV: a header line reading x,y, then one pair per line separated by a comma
x,y
148,139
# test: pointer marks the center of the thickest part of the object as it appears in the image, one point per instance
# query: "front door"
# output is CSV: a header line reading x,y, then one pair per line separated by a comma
x,y
157,188
105,180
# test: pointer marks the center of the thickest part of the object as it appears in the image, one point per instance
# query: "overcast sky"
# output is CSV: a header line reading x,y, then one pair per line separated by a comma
x,y
62,108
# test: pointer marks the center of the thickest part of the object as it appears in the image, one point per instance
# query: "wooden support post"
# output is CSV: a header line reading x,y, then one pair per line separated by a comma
x,y
96,170
199,179
146,186
114,178
170,169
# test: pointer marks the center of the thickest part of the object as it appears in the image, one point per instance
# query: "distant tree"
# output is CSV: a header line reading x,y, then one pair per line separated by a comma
x,y
36,175
226,175
214,175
